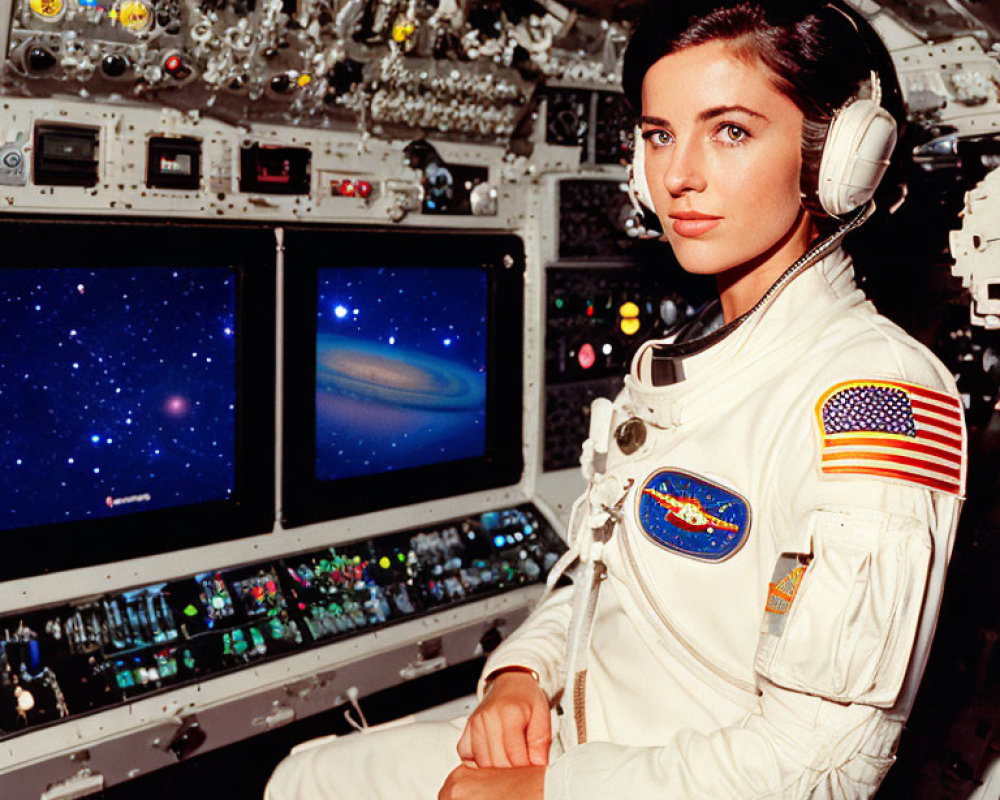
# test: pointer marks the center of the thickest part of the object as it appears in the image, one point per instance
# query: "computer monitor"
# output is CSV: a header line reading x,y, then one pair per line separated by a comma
x,y
402,369
136,389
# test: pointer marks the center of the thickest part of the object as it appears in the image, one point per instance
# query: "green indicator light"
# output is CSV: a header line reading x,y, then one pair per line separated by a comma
x,y
401,557
190,611
560,302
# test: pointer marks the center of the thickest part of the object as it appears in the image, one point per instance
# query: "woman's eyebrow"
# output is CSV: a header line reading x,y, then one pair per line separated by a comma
x,y
707,114
718,111
657,121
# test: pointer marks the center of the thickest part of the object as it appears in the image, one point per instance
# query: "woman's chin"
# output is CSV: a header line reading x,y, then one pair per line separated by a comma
x,y
700,258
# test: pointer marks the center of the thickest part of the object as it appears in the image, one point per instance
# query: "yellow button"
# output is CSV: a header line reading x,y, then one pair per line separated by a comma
x,y
135,15
402,31
47,8
629,309
630,326
303,80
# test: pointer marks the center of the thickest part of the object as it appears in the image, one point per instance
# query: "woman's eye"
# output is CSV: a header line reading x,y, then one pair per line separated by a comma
x,y
657,138
733,134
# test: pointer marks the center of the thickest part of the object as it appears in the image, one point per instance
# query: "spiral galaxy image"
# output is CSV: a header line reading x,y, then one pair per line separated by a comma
x,y
400,368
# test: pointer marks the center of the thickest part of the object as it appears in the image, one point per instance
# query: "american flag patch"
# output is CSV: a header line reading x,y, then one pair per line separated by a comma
x,y
894,430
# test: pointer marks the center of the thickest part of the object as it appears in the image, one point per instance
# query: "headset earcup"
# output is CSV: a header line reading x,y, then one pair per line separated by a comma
x,y
638,183
855,156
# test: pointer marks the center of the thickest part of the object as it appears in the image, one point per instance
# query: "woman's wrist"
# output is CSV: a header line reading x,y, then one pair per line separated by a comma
x,y
513,669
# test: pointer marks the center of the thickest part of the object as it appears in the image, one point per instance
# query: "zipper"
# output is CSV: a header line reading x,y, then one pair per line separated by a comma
x,y
580,706
716,670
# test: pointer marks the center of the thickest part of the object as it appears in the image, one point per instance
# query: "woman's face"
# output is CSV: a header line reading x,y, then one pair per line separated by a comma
x,y
723,156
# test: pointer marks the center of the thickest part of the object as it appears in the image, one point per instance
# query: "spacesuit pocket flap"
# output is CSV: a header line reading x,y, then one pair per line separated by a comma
x,y
849,627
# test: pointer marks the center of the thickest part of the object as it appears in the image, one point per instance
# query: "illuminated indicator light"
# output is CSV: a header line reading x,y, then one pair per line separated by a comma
x,y
347,189
630,327
25,700
172,64
401,557
190,611
135,15
402,31
586,356
629,309
340,312
590,308
304,80
606,349
499,540
384,562
302,606
560,302
364,189
271,587
47,8
509,539
218,602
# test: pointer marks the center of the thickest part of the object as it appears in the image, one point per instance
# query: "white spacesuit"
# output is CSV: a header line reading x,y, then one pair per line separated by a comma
x,y
780,521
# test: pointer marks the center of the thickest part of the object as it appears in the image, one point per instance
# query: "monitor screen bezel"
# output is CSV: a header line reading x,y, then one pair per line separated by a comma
x,y
305,499
112,244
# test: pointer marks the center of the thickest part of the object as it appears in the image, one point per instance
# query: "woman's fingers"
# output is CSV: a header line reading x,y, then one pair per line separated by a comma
x,y
465,749
538,735
495,734
480,742
515,742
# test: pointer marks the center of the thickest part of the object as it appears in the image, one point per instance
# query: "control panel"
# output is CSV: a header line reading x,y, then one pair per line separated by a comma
x,y
391,68
596,318
68,660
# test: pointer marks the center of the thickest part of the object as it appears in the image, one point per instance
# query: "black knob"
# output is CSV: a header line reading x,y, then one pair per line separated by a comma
x,y
281,83
115,65
40,59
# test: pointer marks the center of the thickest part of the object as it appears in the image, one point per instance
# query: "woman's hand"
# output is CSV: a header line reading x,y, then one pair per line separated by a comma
x,y
510,728
472,783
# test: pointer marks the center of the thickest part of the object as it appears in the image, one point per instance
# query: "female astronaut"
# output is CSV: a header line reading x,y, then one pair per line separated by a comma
x,y
757,562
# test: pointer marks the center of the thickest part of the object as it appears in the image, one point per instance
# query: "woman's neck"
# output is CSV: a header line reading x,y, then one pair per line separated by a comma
x,y
741,287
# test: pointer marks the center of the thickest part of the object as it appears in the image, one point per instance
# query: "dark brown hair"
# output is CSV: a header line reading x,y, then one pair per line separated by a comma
x,y
816,54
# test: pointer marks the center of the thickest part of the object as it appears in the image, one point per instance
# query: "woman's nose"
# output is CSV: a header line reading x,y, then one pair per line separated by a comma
x,y
684,171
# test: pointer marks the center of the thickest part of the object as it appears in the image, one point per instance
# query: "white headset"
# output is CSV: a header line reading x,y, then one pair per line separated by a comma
x,y
856,154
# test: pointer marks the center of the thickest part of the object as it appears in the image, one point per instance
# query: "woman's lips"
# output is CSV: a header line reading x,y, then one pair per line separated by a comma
x,y
694,227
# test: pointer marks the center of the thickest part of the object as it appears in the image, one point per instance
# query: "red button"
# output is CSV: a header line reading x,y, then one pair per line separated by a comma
x,y
173,64
586,356
364,188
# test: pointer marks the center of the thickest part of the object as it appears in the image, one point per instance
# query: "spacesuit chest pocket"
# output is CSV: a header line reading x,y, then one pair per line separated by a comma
x,y
850,628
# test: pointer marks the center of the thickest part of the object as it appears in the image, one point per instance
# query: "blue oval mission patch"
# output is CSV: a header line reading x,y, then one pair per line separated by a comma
x,y
692,516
